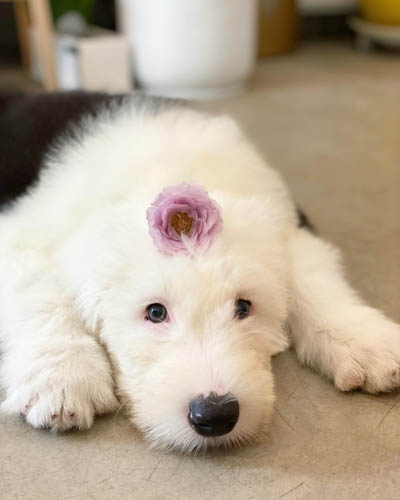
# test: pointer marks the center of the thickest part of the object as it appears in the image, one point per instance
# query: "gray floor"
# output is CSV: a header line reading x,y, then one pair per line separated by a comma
x,y
329,119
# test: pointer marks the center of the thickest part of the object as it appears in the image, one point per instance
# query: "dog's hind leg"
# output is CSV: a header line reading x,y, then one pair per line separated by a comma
x,y
54,373
332,329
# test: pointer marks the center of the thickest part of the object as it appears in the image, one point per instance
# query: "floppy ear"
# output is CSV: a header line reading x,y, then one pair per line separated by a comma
x,y
98,256
80,260
256,224
256,232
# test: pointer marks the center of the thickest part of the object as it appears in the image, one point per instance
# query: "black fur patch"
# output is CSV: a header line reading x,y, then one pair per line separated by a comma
x,y
28,126
303,221
31,124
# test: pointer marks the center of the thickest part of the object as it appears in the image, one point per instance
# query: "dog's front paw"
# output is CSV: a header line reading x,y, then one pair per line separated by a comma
x,y
369,358
63,395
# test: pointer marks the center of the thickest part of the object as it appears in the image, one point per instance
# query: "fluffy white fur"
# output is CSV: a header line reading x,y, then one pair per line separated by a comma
x,y
78,268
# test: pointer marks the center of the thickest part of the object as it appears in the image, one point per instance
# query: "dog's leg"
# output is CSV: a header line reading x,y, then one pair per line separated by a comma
x,y
54,373
332,329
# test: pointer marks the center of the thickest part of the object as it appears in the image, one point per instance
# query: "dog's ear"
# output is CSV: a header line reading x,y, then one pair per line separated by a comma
x,y
98,256
256,232
255,223
80,260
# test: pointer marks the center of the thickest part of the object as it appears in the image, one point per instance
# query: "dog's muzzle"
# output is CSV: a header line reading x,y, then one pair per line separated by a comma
x,y
214,415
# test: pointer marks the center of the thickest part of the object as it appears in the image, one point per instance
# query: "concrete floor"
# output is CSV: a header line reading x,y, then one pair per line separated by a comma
x,y
329,119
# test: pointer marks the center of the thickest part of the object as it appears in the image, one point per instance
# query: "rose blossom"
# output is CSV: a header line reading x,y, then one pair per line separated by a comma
x,y
183,217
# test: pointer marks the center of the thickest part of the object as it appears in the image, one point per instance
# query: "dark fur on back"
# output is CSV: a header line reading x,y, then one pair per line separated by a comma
x,y
304,222
28,126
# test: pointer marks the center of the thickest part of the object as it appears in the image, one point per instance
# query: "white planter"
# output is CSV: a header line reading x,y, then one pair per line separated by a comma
x,y
191,48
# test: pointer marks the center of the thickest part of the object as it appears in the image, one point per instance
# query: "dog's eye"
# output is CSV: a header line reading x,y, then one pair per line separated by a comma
x,y
156,313
242,308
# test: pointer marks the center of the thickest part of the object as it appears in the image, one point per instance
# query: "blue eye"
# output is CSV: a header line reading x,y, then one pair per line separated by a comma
x,y
242,308
156,313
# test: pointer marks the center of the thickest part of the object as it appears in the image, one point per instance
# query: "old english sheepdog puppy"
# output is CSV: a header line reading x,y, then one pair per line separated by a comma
x,y
156,258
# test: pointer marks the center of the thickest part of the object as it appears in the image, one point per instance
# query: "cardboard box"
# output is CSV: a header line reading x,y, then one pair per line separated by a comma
x,y
100,61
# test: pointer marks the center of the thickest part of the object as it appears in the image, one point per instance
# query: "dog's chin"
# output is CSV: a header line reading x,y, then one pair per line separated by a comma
x,y
184,439
191,443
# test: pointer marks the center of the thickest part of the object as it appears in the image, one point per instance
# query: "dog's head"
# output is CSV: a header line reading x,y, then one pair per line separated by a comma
x,y
190,337
190,334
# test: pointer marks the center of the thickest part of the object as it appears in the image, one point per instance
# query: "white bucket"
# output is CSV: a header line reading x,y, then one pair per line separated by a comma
x,y
192,49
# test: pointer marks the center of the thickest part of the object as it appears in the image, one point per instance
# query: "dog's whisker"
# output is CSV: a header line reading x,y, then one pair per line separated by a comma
x,y
121,407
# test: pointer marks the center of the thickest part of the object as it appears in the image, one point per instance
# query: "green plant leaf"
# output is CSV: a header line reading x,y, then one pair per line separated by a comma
x,y
85,7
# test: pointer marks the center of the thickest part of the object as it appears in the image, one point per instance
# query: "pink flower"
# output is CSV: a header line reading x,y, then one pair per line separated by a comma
x,y
183,218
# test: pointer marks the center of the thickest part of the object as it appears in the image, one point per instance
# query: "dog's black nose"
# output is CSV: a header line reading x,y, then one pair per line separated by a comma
x,y
214,415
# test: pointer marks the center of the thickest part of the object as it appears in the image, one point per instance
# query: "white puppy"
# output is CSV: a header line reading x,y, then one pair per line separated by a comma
x,y
91,307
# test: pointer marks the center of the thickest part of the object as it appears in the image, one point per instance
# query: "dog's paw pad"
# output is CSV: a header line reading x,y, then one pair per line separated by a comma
x,y
62,397
348,380
62,409
378,374
367,357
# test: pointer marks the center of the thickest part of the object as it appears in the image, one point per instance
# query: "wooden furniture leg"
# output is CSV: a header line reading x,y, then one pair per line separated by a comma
x,y
22,20
42,21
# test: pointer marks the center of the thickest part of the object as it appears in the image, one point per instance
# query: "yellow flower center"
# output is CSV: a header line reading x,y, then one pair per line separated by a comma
x,y
181,222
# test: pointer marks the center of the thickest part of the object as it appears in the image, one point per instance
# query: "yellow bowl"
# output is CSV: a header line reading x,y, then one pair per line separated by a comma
x,y
381,11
